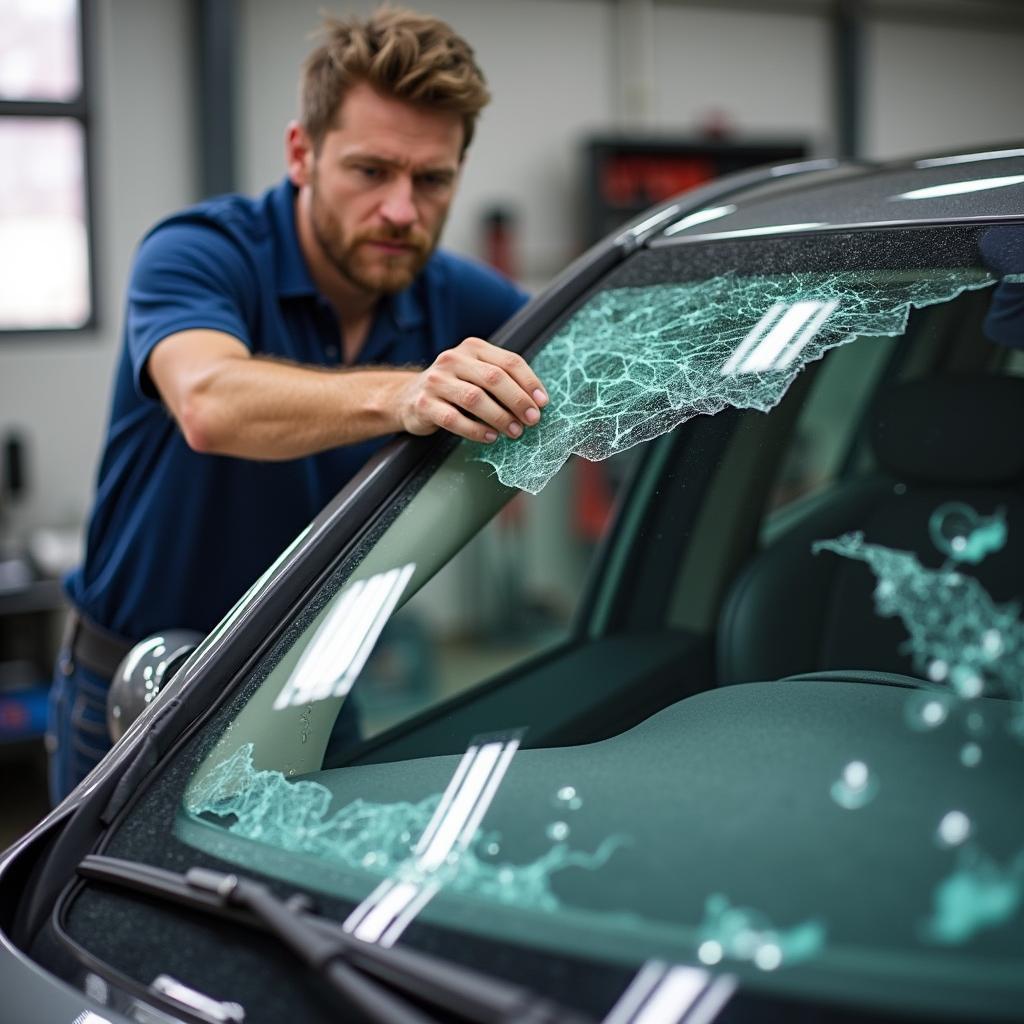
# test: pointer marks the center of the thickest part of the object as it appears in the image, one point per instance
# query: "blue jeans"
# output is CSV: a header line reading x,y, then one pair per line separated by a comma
x,y
76,731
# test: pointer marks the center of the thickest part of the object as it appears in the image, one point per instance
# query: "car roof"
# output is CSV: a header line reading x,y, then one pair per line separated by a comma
x,y
961,187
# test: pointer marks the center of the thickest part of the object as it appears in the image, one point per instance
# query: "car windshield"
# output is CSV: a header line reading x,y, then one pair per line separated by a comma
x,y
720,664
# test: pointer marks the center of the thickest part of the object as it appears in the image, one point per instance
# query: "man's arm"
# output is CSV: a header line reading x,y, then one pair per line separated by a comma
x,y
228,402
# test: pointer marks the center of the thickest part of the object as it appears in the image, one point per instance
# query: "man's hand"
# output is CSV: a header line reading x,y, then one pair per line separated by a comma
x,y
475,390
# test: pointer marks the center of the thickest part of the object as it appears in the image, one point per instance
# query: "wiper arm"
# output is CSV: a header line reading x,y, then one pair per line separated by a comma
x,y
381,982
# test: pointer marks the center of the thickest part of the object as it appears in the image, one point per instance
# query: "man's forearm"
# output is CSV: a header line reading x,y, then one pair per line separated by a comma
x,y
264,409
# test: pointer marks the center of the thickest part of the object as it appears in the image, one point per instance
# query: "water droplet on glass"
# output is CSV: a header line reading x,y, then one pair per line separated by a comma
x,y
768,957
992,643
937,671
492,849
710,952
369,859
558,831
976,723
959,543
954,829
855,787
970,755
568,799
967,683
925,711
291,771
900,489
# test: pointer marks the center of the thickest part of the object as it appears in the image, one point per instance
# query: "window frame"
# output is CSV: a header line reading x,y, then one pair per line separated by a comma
x,y
78,109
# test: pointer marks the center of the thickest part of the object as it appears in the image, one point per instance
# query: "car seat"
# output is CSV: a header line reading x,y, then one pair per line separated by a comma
x,y
935,440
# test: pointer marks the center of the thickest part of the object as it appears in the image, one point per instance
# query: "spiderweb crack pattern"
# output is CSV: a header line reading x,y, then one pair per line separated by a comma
x,y
634,363
957,633
378,838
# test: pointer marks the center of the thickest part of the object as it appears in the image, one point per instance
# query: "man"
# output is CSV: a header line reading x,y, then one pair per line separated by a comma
x,y
272,344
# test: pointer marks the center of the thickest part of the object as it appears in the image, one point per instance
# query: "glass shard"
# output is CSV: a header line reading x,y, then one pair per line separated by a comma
x,y
377,838
958,636
979,894
741,933
634,363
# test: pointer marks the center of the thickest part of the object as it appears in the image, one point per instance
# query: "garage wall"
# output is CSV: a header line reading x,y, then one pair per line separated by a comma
x,y
766,74
931,88
555,76
55,389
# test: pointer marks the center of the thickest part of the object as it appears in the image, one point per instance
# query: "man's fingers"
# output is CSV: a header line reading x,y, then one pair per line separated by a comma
x,y
495,383
478,403
515,366
449,418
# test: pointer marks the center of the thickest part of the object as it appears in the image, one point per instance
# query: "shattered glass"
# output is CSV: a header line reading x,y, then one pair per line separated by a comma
x,y
979,894
960,639
634,363
958,636
376,838
741,933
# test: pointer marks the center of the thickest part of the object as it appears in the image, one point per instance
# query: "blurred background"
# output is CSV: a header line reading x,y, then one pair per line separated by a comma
x,y
116,112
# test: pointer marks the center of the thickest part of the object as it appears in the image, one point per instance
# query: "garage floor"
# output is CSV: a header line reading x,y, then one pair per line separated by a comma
x,y
23,799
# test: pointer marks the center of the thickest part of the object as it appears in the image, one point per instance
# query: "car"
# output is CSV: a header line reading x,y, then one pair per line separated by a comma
x,y
740,734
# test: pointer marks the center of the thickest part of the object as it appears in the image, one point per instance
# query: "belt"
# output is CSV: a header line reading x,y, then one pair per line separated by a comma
x,y
93,647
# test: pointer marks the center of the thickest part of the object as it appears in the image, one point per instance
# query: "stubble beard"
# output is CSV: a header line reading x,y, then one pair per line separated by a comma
x,y
351,259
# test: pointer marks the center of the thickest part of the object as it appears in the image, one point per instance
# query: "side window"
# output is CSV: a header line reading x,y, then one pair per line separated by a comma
x,y
508,595
826,429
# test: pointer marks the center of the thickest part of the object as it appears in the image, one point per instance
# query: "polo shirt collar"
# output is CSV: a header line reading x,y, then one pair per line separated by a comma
x,y
293,277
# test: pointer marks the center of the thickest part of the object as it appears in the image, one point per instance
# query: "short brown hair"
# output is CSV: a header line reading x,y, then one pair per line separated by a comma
x,y
403,54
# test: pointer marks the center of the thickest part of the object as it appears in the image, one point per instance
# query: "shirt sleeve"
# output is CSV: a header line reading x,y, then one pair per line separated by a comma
x,y
186,275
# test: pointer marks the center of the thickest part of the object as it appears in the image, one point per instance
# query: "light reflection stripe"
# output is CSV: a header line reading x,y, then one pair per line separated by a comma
x,y
338,651
450,827
756,334
676,994
630,1002
412,910
446,799
721,991
392,906
660,994
378,916
959,188
782,333
813,326
700,217
482,805
968,158
371,636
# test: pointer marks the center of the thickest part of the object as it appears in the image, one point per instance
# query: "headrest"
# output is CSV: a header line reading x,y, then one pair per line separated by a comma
x,y
965,429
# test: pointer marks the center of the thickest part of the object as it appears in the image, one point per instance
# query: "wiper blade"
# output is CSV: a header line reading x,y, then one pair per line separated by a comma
x,y
383,983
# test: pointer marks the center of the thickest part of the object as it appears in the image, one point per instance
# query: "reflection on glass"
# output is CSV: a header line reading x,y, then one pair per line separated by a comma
x,y
663,994
44,265
959,188
39,52
395,903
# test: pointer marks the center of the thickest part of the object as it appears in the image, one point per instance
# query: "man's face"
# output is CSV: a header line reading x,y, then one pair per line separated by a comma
x,y
380,187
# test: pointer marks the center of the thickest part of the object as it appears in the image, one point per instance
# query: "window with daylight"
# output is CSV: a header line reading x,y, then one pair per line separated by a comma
x,y
45,252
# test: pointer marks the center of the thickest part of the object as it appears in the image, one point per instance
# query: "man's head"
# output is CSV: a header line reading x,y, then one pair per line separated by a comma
x,y
388,108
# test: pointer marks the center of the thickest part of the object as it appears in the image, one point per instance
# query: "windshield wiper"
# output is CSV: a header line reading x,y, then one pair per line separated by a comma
x,y
386,984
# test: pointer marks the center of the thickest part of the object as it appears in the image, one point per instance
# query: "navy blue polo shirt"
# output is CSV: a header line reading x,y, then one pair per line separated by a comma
x,y
176,537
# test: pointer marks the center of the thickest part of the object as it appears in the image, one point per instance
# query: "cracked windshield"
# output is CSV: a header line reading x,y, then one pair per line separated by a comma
x,y
720,664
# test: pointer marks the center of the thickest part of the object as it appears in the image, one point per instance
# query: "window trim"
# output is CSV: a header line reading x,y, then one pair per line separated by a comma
x,y
78,109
